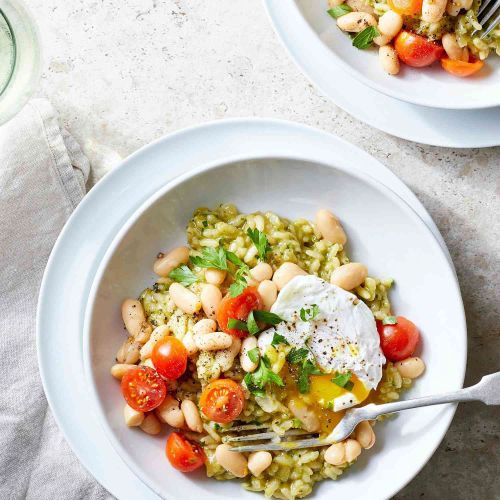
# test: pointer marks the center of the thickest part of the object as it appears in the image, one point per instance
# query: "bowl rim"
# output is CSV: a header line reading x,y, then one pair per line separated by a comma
x,y
196,172
306,30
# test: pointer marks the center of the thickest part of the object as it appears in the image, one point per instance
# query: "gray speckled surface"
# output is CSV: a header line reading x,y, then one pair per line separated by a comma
x,y
123,73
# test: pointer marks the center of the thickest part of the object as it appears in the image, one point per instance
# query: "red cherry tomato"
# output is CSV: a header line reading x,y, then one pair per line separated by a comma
x,y
238,308
406,7
222,401
416,50
398,341
143,389
170,357
461,68
184,455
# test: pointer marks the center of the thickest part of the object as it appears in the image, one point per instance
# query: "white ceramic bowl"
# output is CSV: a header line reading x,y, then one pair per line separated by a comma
x,y
384,232
430,86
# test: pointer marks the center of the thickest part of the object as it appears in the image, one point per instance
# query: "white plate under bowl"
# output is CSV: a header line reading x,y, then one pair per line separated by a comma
x,y
437,127
87,235
431,86
383,231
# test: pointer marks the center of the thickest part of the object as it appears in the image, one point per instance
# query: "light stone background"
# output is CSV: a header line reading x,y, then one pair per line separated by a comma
x,y
122,73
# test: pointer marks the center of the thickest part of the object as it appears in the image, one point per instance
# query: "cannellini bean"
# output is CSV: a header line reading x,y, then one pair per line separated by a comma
x,y
133,418
352,450
453,50
334,3
150,424
433,10
246,363
286,272
120,369
382,40
365,435
204,326
211,297
232,461
129,352
169,412
259,461
268,292
390,23
225,357
184,299
410,367
192,415
454,7
360,6
213,341
148,362
262,271
215,276
159,333
335,454
310,422
389,59
189,343
167,263
353,22
349,276
134,317
328,225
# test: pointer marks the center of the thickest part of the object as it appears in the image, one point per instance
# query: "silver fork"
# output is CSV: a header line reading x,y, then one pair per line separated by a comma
x,y
487,391
487,10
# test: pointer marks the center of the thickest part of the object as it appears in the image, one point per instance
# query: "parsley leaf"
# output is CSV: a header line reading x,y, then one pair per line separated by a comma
x,y
253,354
310,313
232,257
308,368
183,275
240,281
252,325
364,38
236,323
343,380
390,320
257,380
259,239
296,356
267,317
278,339
339,11
211,257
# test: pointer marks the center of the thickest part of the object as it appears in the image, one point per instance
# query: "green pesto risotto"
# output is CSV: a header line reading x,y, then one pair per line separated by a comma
x,y
262,324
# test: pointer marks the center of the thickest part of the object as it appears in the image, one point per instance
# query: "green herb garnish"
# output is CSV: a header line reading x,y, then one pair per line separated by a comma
x,y
259,239
267,317
236,323
390,320
296,356
307,368
211,257
278,339
339,11
232,257
364,38
240,281
183,275
253,354
343,380
252,325
217,427
310,313
257,380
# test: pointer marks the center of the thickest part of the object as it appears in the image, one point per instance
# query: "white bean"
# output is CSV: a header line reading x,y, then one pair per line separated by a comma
x,y
167,263
382,40
120,369
353,22
334,3
268,292
192,415
133,418
453,50
225,357
389,59
169,412
360,6
285,273
246,363
390,23
215,276
352,450
328,225
134,317
310,422
189,343
365,435
259,461
211,297
213,341
150,424
454,7
349,276
232,461
410,367
204,326
129,352
262,271
335,454
433,10
159,333
184,299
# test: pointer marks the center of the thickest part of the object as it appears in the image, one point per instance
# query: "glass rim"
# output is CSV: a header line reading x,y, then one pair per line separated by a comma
x,y
14,47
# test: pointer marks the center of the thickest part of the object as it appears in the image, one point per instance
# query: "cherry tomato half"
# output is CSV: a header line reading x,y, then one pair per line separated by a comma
x,y
406,7
143,389
184,455
417,51
222,401
398,341
238,308
461,68
170,357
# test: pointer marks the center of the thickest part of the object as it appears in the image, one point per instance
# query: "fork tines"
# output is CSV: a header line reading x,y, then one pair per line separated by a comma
x,y
488,16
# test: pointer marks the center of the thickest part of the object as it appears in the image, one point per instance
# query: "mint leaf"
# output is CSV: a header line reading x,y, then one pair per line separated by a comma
x,y
259,239
278,339
364,38
236,323
390,320
267,317
253,354
183,275
296,356
310,313
211,257
252,325
339,11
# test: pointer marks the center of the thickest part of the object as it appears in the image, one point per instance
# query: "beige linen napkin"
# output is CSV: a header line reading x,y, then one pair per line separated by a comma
x,y
42,179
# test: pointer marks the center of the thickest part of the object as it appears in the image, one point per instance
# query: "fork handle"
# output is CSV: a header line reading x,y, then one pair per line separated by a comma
x,y
487,391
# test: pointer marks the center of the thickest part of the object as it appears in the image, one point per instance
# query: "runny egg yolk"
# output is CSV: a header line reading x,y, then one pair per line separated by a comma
x,y
324,391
